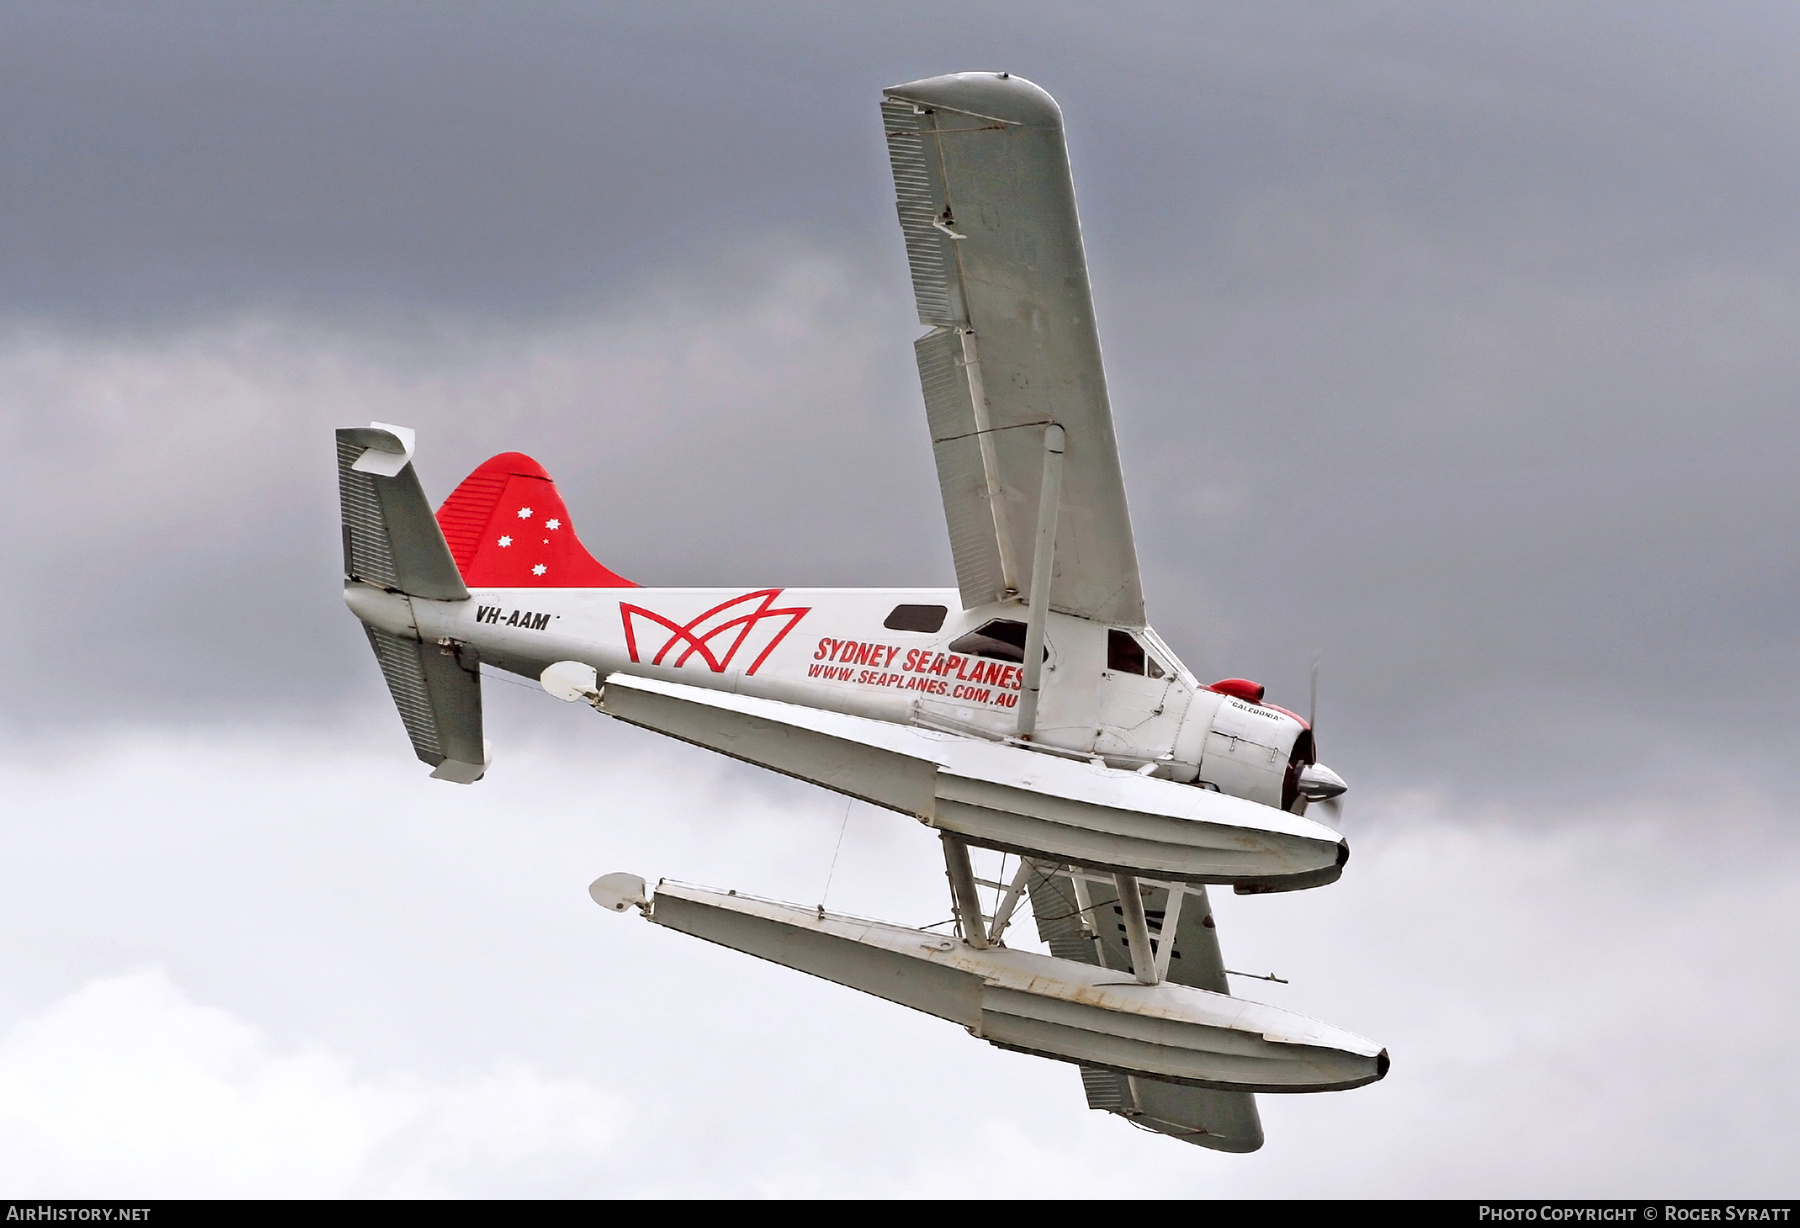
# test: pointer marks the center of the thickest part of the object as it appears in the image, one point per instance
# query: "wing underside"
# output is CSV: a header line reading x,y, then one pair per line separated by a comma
x,y
987,207
1223,1121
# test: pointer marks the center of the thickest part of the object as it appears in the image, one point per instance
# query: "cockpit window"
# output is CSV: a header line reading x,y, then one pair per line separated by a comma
x,y
1124,655
916,618
998,639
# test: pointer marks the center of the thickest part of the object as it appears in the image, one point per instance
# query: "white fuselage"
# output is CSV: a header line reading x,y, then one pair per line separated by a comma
x,y
833,649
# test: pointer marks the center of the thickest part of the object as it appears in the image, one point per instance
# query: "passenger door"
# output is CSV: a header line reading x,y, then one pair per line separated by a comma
x,y
1142,700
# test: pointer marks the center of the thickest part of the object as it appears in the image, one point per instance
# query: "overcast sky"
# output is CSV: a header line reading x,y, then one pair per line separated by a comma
x,y
1455,340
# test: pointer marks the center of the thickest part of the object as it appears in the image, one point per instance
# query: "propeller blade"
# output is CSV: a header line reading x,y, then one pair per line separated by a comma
x,y
1330,811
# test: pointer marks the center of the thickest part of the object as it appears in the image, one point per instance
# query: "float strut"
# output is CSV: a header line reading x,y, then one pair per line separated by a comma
x,y
962,891
1137,930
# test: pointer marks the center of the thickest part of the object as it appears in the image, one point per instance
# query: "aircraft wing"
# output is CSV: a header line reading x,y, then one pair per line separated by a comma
x,y
981,176
1220,1120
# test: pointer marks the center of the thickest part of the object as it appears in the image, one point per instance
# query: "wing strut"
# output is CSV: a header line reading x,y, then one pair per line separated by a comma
x,y
1042,564
970,363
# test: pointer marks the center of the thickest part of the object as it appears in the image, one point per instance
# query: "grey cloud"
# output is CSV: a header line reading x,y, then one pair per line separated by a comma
x,y
177,501
188,155
1541,485
1572,1012
1453,345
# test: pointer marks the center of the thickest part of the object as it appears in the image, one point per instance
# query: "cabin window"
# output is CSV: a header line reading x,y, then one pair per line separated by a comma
x,y
1124,655
998,639
916,618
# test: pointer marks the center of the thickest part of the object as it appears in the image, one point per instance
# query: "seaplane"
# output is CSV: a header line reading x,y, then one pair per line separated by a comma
x,y
1032,711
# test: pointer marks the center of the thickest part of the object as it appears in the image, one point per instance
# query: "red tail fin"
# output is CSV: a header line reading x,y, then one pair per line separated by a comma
x,y
507,528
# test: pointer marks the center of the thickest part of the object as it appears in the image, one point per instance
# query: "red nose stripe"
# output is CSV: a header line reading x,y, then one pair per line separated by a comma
x,y
507,527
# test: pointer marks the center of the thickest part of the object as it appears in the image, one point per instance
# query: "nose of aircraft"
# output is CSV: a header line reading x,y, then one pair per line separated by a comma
x,y
1319,783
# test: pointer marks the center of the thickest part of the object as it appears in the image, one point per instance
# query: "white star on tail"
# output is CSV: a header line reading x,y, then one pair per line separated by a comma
x,y
505,541
539,570
524,513
553,523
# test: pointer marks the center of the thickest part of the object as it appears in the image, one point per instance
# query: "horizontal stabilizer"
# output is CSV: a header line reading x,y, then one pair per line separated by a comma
x,y
393,551
998,796
1037,1004
391,538
438,692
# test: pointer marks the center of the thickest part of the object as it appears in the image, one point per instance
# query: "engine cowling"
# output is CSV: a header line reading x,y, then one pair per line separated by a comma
x,y
1244,747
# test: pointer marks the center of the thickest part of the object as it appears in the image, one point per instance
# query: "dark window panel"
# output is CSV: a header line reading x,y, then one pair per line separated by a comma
x,y
1123,653
916,618
998,639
